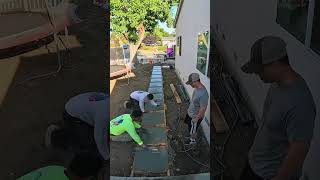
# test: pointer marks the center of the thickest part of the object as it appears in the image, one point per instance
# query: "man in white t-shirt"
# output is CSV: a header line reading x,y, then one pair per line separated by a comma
x,y
138,100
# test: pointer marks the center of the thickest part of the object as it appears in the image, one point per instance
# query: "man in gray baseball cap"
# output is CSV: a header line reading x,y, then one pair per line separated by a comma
x,y
197,107
286,127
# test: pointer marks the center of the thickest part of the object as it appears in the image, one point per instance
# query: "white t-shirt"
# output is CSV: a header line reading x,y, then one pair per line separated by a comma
x,y
141,96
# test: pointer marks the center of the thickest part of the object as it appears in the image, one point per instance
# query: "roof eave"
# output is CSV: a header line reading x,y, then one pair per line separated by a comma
x,y
178,13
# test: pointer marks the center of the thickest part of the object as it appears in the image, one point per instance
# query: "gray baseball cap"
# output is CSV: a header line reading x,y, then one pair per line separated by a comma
x,y
265,51
193,77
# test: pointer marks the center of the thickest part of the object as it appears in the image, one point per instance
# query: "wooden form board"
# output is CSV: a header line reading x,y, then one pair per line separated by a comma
x,y
218,120
176,95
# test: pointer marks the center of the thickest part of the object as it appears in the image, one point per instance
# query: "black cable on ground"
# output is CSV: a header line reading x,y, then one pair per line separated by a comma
x,y
175,134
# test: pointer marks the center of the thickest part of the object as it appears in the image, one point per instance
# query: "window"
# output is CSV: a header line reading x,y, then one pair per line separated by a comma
x,y
301,18
315,39
202,53
293,16
178,46
212,51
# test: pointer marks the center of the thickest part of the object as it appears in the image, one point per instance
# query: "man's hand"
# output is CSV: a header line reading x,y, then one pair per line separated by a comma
x,y
195,120
143,146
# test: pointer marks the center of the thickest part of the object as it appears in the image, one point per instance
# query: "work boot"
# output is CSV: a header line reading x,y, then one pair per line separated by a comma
x,y
48,137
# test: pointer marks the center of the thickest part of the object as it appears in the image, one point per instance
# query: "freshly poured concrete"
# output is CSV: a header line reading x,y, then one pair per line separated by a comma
x,y
154,136
156,80
156,76
151,161
153,119
155,84
155,90
156,73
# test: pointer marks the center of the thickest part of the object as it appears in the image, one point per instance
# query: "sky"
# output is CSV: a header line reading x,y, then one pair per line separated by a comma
x,y
164,25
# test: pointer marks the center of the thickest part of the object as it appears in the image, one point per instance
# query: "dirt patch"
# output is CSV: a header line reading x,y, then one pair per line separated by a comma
x,y
121,154
182,163
29,108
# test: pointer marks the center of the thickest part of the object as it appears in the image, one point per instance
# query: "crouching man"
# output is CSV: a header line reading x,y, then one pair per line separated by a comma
x,y
85,125
123,128
138,100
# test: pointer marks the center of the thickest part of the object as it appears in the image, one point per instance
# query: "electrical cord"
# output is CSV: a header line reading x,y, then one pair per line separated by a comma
x,y
184,146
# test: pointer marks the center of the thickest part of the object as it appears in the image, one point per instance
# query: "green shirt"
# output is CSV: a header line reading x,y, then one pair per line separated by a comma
x,y
46,173
124,123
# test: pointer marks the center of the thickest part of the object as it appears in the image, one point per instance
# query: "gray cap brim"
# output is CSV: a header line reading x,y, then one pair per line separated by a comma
x,y
251,67
188,82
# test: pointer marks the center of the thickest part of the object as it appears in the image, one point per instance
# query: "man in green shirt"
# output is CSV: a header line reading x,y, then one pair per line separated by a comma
x,y
83,166
124,125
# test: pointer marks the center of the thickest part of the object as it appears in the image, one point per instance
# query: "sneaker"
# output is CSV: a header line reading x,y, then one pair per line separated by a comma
x,y
190,142
48,136
125,104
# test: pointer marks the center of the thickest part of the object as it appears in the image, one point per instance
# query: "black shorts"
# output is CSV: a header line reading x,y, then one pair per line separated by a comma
x,y
75,133
134,104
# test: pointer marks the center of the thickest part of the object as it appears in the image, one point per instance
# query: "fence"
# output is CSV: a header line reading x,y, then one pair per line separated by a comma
x,y
7,6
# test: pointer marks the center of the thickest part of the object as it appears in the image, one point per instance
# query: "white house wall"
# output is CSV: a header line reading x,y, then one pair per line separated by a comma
x,y
194,18
242,23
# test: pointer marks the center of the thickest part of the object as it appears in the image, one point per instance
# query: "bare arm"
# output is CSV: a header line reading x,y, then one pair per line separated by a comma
x,y
296,154
141,104
153,103
201,113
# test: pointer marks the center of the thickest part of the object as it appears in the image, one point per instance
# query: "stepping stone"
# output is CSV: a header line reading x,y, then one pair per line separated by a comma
x,y
155,90
151,161
155,84
150,107
156,80
153,119
156,73
155,76
158,98
154,136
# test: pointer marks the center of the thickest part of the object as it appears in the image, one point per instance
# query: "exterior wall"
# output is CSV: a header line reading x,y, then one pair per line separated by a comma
x,y
242,23
194,18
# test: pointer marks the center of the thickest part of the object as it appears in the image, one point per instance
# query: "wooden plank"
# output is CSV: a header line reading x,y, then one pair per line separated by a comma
x,y
176,95
218,119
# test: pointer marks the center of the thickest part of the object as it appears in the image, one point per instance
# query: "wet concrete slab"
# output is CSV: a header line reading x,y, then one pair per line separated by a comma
x,y
150,107
153,119
156,72
155,84
156,76
151,160
154,136
158,97
155,90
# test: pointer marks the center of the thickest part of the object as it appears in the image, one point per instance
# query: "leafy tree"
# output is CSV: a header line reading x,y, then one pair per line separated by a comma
x,y
160,32
132,18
